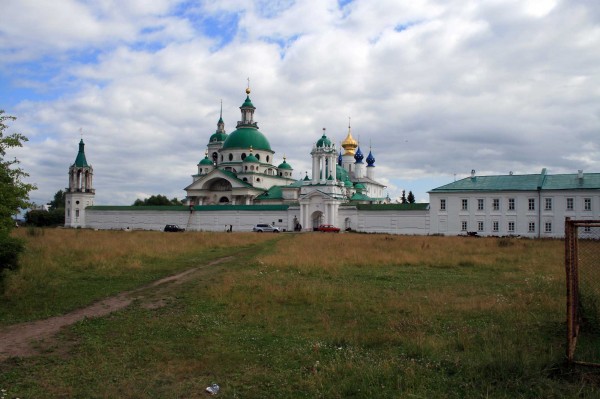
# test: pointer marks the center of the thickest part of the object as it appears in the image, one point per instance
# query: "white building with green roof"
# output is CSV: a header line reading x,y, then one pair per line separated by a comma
x,y
80,193
533,205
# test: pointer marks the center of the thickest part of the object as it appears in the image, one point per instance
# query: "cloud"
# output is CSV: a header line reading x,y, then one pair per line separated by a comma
x,y
435,88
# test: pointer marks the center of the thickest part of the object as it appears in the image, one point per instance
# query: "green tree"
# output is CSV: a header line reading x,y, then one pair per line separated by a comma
x,y
410,198
155,200
59,200
403,198
14,194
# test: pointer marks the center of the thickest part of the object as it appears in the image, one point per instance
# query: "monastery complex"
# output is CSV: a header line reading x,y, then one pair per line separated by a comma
x,y
237,186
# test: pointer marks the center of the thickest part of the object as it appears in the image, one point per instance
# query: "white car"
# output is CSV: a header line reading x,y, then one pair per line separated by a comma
x,y
259,228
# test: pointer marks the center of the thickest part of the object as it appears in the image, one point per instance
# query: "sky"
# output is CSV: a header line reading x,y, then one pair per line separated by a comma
x,y
435,88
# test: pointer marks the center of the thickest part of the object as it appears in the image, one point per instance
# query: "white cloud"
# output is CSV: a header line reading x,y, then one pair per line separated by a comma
x,y
437,88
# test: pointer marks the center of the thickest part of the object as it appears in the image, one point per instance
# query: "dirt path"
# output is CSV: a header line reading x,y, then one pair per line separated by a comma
x,y
29,339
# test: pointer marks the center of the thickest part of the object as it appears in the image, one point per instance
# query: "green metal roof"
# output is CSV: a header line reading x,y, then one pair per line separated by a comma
x,y
170,208
218,136
421,206
274,192
324,141
80,161
284,165
205,161
183,208
251,158
531,182
247,103
246,137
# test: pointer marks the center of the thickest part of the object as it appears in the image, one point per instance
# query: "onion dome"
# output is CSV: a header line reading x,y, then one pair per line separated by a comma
x,y
306,177
370,160
80,161
348,183
246,134
251,158
359,187
358,157
285,165
324,141
349,144
205,161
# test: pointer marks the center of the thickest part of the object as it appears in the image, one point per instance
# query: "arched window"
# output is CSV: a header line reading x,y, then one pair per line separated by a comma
x,y
243,156
215,156
258,156
231,157
267,158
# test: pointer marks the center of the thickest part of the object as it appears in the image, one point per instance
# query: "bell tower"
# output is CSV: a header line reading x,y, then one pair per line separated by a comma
x,y
80,193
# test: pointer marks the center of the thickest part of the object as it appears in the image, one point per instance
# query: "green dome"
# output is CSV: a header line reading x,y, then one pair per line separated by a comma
x,y
251,158
246,137
285,165
218,136
324,142
348,183
247,103
205,161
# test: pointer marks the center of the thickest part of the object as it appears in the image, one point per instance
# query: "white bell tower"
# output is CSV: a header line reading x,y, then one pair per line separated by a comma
x,y
80,193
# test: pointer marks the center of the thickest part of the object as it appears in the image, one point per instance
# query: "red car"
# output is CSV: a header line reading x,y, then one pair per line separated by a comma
x,y
328,228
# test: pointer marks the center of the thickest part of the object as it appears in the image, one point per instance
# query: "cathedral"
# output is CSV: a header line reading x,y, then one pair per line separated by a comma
x,y
238,169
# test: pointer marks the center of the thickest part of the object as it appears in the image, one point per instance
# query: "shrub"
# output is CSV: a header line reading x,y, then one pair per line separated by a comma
x,y
10,248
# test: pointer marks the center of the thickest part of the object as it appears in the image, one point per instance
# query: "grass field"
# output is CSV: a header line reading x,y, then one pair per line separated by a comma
x,y
296,316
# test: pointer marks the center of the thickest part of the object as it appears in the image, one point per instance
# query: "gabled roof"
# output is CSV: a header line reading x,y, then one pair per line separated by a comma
x,y
225,174
533,182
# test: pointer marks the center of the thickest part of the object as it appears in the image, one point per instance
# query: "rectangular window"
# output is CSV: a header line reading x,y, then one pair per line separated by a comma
x,y
496,204
511,227
76,213
548,204
442,205
463,226
532,227
480,204
548,227
479,226
532,204
465,205
569,204
587,204
511,204
495,225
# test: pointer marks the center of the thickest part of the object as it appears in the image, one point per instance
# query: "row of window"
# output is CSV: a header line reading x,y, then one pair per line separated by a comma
x,y
510,226
511,206
242,157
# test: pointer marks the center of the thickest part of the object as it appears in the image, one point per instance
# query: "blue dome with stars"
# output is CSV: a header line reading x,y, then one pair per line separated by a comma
x,y
358,157
370,160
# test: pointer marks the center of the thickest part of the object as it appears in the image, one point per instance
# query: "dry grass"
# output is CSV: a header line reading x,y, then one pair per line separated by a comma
x,y
324,315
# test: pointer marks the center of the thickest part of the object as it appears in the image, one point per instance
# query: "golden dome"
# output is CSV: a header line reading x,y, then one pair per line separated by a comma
x,y
349,143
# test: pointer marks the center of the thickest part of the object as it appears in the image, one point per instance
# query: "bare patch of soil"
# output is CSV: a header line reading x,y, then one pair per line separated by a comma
x,y
31,338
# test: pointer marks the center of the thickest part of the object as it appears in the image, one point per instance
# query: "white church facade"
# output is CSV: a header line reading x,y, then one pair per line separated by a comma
x,y
238,185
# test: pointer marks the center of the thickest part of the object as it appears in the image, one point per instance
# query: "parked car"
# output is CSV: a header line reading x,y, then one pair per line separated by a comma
x,y
328,228
173,228
259,228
